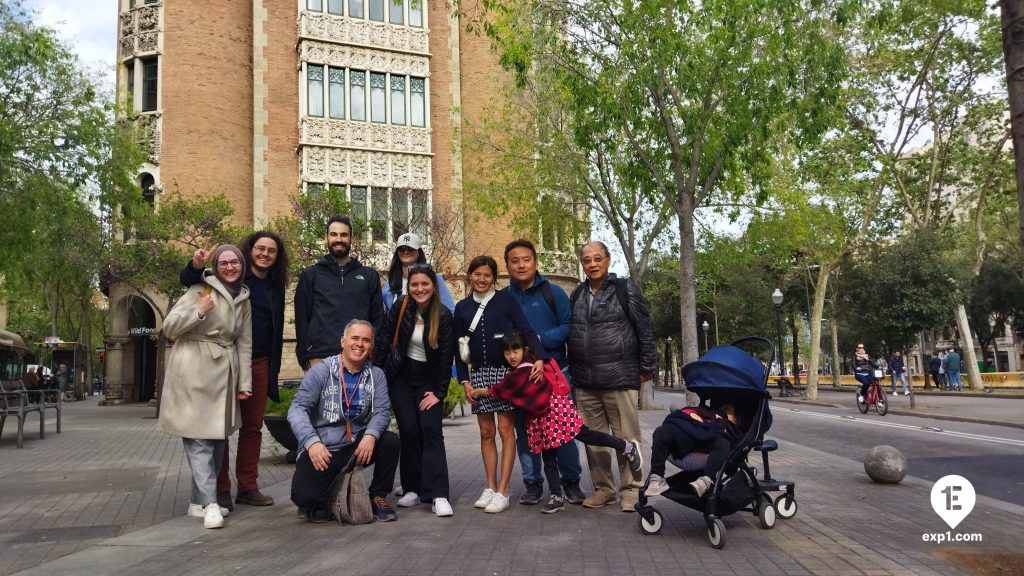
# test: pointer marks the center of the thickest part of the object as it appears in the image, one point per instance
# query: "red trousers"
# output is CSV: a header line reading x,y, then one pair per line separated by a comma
x,y
247,457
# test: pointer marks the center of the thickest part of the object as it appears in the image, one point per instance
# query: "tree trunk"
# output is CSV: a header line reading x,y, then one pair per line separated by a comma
x,y
995,353
967,345
816,312
1012,17
796,350
689,348
925,358
837,366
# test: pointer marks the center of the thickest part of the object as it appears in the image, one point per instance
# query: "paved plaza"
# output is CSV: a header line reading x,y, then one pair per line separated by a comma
x,y
108,496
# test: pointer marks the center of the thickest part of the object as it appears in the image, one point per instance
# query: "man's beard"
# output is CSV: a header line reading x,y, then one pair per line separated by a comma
x,y
340,250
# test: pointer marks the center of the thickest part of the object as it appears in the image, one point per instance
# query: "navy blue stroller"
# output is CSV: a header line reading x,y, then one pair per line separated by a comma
x,y
729,374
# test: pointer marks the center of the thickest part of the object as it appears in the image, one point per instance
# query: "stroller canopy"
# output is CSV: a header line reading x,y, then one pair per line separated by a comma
x,y
725,367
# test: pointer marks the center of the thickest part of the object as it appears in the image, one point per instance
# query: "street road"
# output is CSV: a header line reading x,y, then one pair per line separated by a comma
x,y
989,456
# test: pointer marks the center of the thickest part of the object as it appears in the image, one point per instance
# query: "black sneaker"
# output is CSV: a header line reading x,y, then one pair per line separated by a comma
x,y
532,494
573,494
634,456
382,511
555,504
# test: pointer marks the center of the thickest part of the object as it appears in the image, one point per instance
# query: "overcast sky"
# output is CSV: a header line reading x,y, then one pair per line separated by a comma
x,y
89,27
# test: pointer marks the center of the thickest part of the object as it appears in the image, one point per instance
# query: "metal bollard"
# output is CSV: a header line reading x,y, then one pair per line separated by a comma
x,y
912,403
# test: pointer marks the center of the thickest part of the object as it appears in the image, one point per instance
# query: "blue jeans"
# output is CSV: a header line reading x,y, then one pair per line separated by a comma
x,y
902,380
567,455
953,377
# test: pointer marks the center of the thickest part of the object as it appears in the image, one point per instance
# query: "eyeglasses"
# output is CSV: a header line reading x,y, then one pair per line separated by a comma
x,y
224,264
860,347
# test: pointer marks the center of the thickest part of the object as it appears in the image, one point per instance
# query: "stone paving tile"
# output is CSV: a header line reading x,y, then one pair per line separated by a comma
x,y
845,524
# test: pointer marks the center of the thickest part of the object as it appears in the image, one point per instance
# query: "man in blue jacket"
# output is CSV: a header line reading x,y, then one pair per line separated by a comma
x,y
332,292
342,410
546,307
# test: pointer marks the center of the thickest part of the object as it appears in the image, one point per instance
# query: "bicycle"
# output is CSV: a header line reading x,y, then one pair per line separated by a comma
x,y
875,396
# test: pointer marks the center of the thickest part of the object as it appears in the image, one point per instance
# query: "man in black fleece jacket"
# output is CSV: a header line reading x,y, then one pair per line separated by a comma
x,y
332,292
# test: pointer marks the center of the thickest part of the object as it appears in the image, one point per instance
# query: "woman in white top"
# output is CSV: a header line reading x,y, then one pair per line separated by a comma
x,y
414,347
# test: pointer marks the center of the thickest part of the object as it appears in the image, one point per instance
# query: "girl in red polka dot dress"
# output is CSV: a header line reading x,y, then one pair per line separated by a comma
x,y
551,416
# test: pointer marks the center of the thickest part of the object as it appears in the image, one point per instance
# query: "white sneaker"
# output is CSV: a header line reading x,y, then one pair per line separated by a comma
x,y
212,518
409,499
498,503
484,498
906,392
655,485
442,508
860,399
197,511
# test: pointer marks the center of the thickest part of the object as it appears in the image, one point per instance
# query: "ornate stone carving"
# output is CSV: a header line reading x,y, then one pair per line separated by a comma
x,y
330,28
559,263
140,31
360,58
366,168
116,340
364,135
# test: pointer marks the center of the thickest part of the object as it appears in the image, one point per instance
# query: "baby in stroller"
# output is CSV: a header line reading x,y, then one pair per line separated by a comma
x,y
710,443
694,429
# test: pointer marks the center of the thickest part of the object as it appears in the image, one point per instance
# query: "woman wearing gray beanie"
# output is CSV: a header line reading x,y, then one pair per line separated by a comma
x,y
208,373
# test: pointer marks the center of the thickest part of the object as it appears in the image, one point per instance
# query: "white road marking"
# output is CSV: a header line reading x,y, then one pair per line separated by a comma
x,y
908,427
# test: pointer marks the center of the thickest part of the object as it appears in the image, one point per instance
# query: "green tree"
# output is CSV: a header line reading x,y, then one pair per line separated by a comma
x,y
1012,24
701,94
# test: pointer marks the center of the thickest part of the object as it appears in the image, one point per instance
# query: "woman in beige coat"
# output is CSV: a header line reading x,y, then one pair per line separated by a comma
x,y
208,373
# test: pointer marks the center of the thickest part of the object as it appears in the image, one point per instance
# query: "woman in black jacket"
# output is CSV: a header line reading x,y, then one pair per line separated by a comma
x,y
414,348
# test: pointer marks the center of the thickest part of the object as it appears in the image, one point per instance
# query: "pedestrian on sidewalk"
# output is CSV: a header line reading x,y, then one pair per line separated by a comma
x,y
208,374
897,371
943,376
480,320
546,307
551,416
952,366
415,350
935,368
342,411
266,277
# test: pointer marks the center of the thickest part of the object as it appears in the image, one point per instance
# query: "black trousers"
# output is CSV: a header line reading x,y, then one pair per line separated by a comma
x,y
664,443
424,462
586,436
310,486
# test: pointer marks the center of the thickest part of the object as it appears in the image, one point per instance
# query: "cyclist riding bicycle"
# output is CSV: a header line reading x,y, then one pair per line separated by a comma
x,y
863,371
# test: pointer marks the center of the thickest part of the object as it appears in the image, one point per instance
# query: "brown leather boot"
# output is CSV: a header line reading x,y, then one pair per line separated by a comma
x,y
254,498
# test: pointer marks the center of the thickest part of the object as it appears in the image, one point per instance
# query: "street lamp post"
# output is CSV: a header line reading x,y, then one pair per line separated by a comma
x,y
705,326
671,363
777,300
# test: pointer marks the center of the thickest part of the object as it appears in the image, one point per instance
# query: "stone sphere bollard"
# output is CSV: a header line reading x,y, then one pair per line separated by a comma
x,y
885,465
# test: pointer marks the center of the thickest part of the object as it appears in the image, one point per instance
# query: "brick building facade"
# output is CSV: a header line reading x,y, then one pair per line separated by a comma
x,y
263,99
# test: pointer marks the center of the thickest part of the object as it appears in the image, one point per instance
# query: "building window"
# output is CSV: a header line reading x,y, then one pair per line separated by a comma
x,y
355,8
396,11
357,197
377,10
336,7
357,94
398,99
150,75
130,81
381,214
418,101
315,90
336,92
148,185
315,5
416,13
378,82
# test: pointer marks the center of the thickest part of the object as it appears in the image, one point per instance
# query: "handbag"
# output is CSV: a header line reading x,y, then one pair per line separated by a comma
x,y
349,498
464,354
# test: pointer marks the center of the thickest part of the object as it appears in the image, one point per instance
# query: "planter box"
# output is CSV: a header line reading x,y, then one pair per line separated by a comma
x,y
282,433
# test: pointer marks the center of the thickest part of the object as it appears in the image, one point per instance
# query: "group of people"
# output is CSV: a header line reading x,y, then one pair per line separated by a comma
x,y
540,369
945,369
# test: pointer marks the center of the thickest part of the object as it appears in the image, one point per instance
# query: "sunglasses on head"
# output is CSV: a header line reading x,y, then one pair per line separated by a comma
x,y
421,268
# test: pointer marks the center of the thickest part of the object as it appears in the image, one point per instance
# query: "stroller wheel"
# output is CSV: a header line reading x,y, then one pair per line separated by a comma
x,y
716,533
650,521
766,512
785,505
